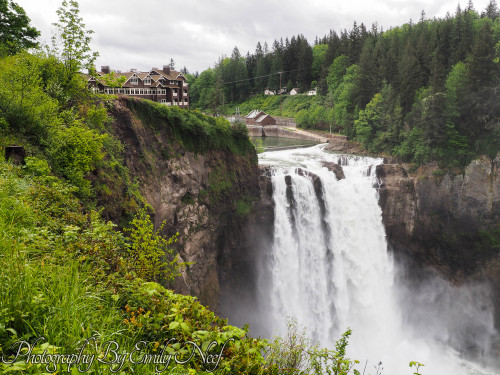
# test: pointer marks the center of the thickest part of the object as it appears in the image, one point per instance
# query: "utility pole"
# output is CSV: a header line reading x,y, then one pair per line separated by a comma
x,y
281,111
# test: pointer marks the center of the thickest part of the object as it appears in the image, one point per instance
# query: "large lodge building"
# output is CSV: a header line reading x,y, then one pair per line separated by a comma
x,y
164,86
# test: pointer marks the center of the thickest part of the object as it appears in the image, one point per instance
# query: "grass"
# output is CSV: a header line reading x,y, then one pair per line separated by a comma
x,y
290,104
66,276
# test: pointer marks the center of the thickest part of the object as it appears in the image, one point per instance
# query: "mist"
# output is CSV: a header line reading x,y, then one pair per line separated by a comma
x,y
324,260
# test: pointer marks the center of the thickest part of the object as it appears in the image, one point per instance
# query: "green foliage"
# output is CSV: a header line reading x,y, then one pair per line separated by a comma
x,y
290,104
75,151
369,122
294,354
27,109
417,366
219,182
16,33
197,133
151,255
440,76
289,355
72,42
66,276
243,206
334,361
113,81
336,72
259,145
455,82
345,108
319,56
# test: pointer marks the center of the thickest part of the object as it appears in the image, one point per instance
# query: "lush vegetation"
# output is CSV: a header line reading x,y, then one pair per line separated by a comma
x,y
195,131
422,91
70,279
68,275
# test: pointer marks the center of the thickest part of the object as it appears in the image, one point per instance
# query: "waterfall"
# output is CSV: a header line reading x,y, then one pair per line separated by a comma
x,y
330,269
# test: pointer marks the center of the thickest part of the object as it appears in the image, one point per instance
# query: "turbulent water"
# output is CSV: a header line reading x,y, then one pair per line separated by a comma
x,y
330,269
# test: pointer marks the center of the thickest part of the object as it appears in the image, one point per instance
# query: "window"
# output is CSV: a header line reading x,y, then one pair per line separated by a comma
x,y
164,101
147,81
134,81
141,91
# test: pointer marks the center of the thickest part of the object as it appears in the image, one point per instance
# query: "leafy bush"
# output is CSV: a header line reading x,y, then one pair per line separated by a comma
x,y
294,354
75,151
151,256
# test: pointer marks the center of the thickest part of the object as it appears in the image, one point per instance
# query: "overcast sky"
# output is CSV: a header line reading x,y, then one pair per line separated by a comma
x,y
146,33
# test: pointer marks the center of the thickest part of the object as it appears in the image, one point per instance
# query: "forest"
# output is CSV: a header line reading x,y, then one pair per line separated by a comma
x,y
422,91
83,268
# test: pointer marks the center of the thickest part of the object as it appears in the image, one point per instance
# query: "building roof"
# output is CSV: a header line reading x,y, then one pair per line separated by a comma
x,y
261,118
254,114
155,74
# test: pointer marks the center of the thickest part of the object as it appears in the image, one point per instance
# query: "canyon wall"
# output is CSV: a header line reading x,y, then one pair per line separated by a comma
x,y
449,222
205,197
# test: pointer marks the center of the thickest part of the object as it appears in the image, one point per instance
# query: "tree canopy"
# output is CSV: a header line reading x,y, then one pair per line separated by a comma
x,y
16,33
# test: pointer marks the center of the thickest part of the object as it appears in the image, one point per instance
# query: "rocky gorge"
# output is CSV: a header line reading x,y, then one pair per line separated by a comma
x,y
204,197
221,204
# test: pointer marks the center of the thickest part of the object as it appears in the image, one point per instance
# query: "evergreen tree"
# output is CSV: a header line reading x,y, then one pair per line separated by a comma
x,y
491,10
481,67
305,59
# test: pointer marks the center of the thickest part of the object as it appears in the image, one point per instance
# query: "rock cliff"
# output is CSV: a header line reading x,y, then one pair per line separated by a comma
x,y
447,221
205,197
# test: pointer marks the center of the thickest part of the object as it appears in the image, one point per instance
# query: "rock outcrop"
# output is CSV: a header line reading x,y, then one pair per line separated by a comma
x,y
335,168
205,197
449,222
341,144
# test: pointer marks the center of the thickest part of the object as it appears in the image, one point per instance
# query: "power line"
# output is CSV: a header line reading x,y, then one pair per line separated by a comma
x,y
264,76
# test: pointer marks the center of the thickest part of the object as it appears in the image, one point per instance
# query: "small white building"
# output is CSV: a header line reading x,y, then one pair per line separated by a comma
x,y
294,91
312,92
269,92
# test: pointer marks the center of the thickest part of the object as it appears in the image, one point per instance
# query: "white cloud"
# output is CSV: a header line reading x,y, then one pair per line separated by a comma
x,y
195,33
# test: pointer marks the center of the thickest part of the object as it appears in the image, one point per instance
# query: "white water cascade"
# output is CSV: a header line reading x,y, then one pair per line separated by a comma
x,y
330,269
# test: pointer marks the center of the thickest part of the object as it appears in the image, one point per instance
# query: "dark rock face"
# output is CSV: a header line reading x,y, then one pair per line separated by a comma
x,y
443,220
197,196
335,168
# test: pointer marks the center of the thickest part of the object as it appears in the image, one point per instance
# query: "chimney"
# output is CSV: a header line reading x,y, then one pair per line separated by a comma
x,y
166,69
133,70
105,69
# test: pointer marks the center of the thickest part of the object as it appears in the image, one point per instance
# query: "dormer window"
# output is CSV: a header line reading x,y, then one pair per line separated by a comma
x,y
134,81
147,81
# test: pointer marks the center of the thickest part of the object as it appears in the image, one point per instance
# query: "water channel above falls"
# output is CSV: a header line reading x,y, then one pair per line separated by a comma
x,y
329,267
276,143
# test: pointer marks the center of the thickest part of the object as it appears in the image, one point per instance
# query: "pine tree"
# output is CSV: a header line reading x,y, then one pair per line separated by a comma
x,y
491,10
